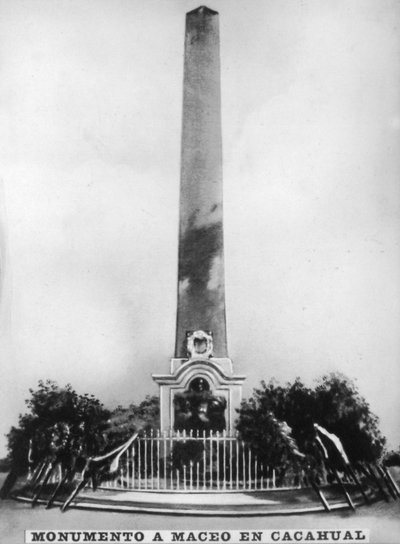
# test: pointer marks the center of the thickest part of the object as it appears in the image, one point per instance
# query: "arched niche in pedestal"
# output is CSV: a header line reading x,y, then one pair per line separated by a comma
x,y
221,389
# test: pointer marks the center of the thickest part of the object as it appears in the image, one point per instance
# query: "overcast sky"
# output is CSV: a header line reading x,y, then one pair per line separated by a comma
x,y
90,120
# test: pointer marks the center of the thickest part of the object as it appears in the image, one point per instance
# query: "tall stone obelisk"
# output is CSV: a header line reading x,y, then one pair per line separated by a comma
x,y
201,367
201,291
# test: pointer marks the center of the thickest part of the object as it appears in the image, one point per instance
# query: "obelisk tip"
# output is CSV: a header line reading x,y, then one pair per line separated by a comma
x,y
202,10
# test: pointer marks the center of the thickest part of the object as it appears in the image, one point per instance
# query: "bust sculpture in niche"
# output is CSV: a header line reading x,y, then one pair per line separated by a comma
x,y
197,409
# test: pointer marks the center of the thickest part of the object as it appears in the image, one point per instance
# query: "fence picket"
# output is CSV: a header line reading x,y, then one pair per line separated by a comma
x,y
145,461
171,459
152,459
139,465
244,465
217,446
158,459
204,460
249,463
224,457
165,458
230,464
237,463
133,466
211,467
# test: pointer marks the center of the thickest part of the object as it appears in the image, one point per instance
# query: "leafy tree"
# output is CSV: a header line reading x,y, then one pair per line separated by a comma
x,y
125,421
5,464
277,418
342,410
57,414
271,440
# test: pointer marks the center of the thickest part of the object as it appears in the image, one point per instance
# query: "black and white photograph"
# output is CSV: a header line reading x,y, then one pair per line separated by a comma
x,y
199,271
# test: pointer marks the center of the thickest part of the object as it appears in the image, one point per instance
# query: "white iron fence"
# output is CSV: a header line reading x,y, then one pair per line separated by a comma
x,y
195,462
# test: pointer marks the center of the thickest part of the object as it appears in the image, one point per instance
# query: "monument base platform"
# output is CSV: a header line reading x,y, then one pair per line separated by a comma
x,y
263,503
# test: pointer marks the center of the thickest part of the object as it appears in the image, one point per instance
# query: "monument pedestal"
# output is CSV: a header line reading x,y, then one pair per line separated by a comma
x,y
217,377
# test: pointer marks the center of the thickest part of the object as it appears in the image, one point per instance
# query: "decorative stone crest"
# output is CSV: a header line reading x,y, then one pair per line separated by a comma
x,y
199,344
